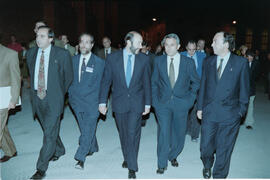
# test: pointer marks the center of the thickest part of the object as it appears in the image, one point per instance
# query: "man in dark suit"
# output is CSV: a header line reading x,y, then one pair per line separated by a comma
x,y
104,52
51,74
222,101
129,73
193,125
174,88
83,96
253,72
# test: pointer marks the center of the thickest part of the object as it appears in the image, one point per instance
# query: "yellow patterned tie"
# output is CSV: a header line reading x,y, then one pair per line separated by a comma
x,y
41,92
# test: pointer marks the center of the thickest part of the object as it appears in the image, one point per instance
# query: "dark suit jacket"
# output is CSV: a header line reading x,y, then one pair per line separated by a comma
x,y
132,98
84,95
200,57
60,76
225,99
253,73
186,85
101,52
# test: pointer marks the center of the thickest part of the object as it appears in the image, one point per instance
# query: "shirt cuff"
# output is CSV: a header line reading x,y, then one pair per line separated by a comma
x,y
147,106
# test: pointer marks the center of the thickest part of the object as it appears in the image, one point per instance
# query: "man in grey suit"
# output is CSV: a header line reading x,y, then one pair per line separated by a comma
x,y
174,87
103,53
51,74
83,96
9,76
67,46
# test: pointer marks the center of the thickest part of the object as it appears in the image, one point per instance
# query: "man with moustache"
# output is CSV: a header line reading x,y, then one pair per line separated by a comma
x,y
222,102
128,71
174,88
83,96
51,73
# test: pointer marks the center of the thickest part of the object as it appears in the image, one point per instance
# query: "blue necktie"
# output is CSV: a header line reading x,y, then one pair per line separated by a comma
x,y
128,70
83,68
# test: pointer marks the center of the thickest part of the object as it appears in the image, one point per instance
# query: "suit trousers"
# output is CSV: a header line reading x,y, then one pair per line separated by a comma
x,y
50,124
87,141
250,116
218,137
172,123
193,125
129,128
6,141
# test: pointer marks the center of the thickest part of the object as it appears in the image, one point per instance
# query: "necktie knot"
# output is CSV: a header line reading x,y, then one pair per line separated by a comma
x,y
171,59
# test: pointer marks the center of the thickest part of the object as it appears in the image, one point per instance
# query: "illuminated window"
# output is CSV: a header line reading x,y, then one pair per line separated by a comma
x,y
249,38
264,40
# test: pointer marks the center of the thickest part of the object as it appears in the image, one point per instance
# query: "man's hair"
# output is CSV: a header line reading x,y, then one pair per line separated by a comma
x,y
87,34
229,39
50,31
250,52
129,36
191,42
169,36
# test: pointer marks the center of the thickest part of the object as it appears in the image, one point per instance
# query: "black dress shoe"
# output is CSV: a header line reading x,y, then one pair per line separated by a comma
x,y
90,154
161,170
79,165
6,158
131,174
38,175
174,163
206,173
54,158
249,127
124,164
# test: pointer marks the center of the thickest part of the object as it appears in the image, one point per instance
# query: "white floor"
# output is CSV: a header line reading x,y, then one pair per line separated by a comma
x,y
250,158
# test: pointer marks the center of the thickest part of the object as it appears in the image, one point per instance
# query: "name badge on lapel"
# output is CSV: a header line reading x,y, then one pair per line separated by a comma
x,y
89,69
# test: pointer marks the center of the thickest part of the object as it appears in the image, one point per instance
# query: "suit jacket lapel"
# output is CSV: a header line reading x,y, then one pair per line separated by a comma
x,y
122,68
165,70
181,68
76,68
33,64
214,69
135,69
228,69
51,67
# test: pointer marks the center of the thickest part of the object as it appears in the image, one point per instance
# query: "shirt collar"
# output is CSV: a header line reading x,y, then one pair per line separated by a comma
x,y
225,58
87,56
176,56
47,50
126,53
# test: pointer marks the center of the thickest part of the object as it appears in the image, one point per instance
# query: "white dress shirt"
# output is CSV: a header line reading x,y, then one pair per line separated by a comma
x,y
87,58
125,57
225,61
176,63
108,50
46,66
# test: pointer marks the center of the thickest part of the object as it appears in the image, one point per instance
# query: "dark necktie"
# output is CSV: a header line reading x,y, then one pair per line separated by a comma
x,y
41,92
106,53
83,68
219,69
172,74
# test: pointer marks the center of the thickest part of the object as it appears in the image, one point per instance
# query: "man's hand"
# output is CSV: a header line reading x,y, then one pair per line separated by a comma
x,y
102,109
11,106
146,111
199,114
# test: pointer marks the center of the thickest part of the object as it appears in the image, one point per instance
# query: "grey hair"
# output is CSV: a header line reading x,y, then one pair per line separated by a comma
x,y
169,36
